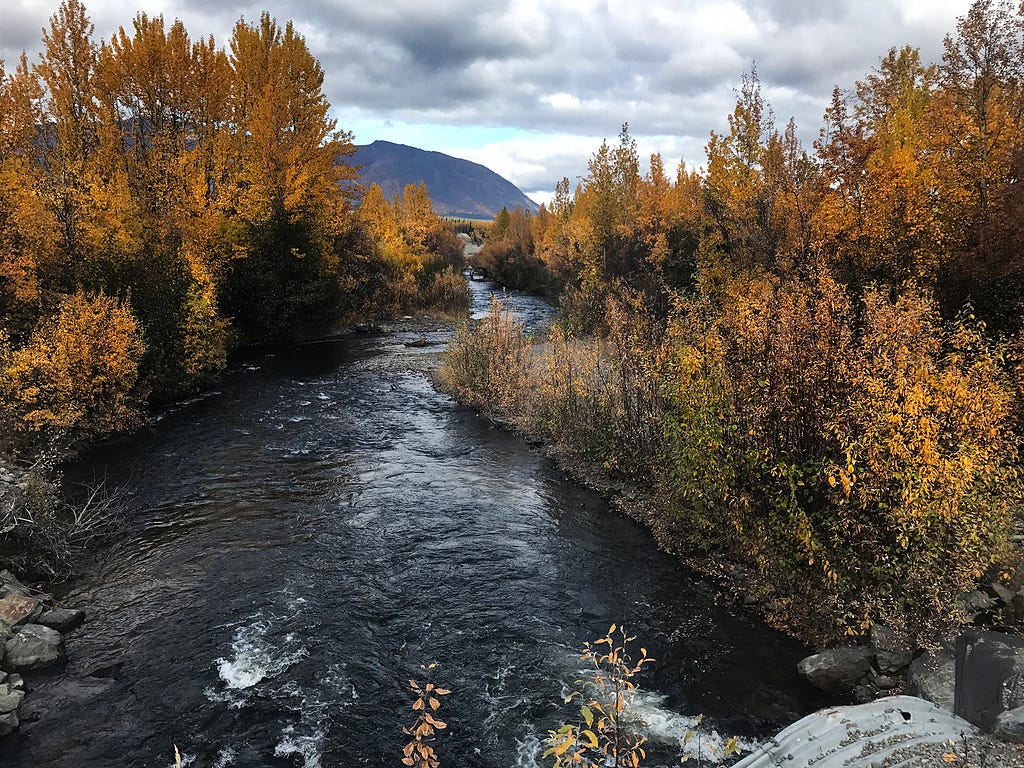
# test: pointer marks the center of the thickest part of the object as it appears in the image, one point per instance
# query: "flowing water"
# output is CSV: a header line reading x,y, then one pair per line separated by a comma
x,y
308,534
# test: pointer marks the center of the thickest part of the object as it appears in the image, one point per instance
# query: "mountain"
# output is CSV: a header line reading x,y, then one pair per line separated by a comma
x,y
457,187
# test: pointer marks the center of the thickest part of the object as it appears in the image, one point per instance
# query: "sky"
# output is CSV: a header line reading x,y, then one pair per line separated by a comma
x,y
530,88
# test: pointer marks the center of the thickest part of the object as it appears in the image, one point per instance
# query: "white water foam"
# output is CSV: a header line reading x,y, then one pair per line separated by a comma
x,y
257,655
528,749
308,747
666,726
227,756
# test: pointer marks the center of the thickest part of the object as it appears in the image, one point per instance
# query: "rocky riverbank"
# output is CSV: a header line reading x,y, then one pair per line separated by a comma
x,y
32,632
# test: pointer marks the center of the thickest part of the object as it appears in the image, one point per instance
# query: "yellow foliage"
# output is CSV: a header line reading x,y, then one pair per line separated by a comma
x,y
76,376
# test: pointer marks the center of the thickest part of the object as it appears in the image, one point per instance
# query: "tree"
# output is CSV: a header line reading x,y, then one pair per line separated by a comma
x,y
67,68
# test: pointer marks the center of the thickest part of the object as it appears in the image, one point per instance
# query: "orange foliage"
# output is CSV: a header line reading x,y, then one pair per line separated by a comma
x,y
77,373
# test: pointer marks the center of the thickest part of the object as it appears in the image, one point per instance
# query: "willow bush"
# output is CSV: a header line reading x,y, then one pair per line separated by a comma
x,y
863,453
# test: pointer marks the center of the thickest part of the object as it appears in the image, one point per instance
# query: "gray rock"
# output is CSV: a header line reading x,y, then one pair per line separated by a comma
x,y
16,681
837,669
863,693
1010,726
34,646
893,653
10,698
8,722
1018,606
1003,594
933,677
883,682
989,677
864,736
977,602
62,619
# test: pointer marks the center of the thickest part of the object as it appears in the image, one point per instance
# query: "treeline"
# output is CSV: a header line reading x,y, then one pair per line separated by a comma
x,y
811,358
163,200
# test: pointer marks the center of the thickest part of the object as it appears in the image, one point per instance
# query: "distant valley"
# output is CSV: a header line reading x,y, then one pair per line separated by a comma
x,y
457,187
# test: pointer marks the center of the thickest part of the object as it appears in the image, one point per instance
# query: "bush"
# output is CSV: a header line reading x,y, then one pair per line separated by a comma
x,y
487,364
868,463
447,293
76,376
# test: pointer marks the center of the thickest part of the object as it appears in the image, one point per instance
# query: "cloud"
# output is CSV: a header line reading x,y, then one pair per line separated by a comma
x,y
562,73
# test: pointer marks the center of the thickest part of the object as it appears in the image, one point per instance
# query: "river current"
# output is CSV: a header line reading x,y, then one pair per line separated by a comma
x,y
306,535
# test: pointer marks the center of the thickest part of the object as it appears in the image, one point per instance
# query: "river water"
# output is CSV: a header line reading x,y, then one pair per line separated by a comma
x,y
305,536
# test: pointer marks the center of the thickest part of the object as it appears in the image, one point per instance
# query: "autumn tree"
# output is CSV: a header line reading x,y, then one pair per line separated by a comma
x,y
979,150
67,69
29,261
285,165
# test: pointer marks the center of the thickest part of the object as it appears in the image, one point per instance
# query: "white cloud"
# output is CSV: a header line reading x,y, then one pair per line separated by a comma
x,y
560,73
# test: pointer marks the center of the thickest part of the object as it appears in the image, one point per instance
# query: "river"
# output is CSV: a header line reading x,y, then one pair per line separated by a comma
x,y
307,534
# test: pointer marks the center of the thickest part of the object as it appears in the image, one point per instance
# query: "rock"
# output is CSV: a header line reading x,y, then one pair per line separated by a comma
x,y
1010,726
863,693
420,342
1003,594
882,682
837,669
1018,606
893,653
62,619
862,736
18,609
9,722
977,602
989,676
12,586
34,646
933,677
15,681
10,698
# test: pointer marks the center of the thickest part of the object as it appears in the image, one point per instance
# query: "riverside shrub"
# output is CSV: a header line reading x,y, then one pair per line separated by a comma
x,y
487,363
867,460
76,376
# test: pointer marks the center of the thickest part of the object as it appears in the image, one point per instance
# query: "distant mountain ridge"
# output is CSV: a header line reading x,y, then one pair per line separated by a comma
x,y
457,187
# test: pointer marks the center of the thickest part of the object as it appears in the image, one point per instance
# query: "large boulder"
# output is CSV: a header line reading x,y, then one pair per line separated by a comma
x,y
62,619
34,646
837,669
989,676
889,731
893,653
932,676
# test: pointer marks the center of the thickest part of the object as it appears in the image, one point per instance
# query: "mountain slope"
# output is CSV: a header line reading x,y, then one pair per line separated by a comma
x,y
457,187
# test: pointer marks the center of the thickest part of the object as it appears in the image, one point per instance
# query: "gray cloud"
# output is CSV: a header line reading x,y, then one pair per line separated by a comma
x,y
669,67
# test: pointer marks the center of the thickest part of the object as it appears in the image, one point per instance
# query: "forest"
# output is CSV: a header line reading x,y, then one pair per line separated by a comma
x,y
165,201
808,358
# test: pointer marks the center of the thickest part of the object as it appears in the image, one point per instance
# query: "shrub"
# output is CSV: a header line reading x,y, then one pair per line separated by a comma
x,y
76,376
868,462
447,293
487,363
